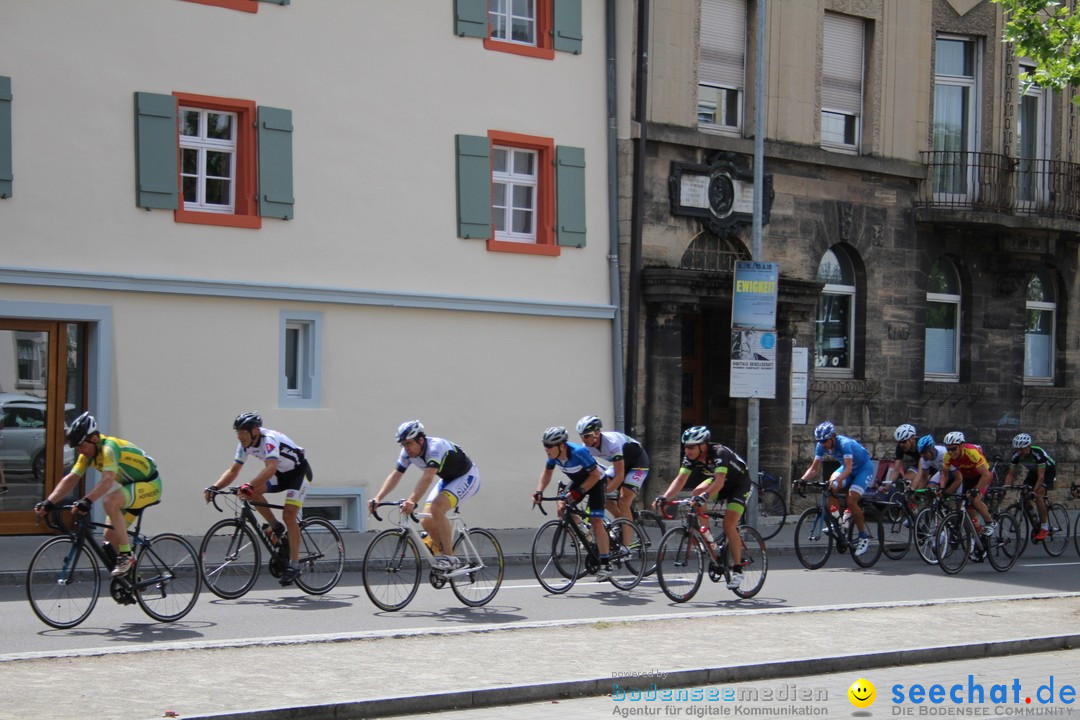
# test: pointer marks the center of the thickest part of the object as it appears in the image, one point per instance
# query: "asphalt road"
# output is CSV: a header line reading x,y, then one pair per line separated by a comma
x,y
272,612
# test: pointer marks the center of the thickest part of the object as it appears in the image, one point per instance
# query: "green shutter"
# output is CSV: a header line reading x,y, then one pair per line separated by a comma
x,y
6,176
473,186
156,146
275,163
570,196
470,18
566,22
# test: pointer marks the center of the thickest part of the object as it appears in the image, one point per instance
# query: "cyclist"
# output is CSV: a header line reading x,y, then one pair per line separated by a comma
x,y
629,462
129,481
586,479
458,479
285,469
931,463
854,474
906,464
1040,470
968,461
719,473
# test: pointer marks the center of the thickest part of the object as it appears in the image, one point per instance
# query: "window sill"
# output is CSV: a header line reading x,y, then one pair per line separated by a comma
x,y
518,49
248,6
523,248
252,222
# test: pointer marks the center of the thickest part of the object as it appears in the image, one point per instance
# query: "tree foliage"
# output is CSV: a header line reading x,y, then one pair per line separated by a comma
x,y
1048,33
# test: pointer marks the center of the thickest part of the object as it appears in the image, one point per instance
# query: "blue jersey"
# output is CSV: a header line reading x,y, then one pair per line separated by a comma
x,y
844,447
578,465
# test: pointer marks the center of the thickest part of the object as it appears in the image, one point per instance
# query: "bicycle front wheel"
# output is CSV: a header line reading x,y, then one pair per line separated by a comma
x,y
754,561
652,529
876,532
229,557
952,542
556,557
1058,518
1019,516
680,564
1003,548
813,544
899,532
167,577
772,513
484,556
627,553
322,556
926,521
391,570
63,583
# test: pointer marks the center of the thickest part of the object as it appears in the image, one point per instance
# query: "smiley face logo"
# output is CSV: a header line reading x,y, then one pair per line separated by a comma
x,y
862,693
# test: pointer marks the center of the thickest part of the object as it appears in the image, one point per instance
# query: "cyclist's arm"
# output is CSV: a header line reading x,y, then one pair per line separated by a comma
x,y
258,483
421,488
108,477
813,470
677,484
717,484
389,484
620,474
65,486
1011,475
595,476
545,480
984,476
845,470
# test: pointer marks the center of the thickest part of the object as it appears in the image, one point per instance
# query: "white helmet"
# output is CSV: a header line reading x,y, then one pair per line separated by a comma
x,y
409,430
955,438
1022,440
905,432
555,436
588,424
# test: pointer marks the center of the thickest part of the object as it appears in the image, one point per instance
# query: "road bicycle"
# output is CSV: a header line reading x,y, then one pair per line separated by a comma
x,y
820,529
937,505
1026,514
63,582
895,503
231,556
564,550
392,566
957,539
771,507
684,551
652,528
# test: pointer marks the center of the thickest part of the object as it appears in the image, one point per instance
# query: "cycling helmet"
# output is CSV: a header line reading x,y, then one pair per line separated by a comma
x,y
955,438
926,442
555,436
84,426
247,421
904,432
1022,440
409,430
824,431
696,435
588,424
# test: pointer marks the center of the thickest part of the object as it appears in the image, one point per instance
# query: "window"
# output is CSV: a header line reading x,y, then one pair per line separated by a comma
x,y
1032,144
533,28
31,359
208,160
942,353
842,82
514,180
721,64
835,327
300,374
1041,311
955,115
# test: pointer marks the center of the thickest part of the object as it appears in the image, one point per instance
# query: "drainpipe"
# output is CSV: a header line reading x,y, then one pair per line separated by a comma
x,y
633,315
618,379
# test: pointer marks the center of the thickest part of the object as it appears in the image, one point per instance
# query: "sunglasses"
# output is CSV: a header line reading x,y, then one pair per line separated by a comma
x,y
952,447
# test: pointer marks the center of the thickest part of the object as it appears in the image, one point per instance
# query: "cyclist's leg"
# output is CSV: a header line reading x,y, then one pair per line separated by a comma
x,y
857,483
114,502
442,499
628,492
295,486
1040,487
733,515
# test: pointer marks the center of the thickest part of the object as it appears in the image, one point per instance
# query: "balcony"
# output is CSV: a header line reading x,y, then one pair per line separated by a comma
x,y
1013,192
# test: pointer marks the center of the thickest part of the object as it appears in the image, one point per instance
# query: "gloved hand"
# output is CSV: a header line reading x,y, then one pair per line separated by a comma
x,y
246,491
574,496
82,507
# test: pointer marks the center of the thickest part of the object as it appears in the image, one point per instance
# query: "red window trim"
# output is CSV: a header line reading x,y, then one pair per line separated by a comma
x,y
544,48
246,211
248,6
545,195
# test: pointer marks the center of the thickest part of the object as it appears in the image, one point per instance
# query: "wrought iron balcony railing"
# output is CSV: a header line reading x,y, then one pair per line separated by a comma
x,y
1000,184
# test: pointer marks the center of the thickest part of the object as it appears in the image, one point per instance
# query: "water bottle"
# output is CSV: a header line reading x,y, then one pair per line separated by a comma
x,y
707,534
428,541
845,522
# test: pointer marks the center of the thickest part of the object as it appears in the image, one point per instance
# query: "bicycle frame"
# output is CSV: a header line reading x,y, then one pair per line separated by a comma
x,y
589,544
82,535
458,529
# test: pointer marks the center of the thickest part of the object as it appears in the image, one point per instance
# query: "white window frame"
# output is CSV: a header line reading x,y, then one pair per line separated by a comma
x,y
850,292
1042,306
306,391
946,299
721,65
203,145
501,22
33,348
510,181
974,86
843,66
1039,190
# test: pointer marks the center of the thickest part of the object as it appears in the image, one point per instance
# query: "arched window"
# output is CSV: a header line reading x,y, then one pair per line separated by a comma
x,y
1039,328
834,337
942,359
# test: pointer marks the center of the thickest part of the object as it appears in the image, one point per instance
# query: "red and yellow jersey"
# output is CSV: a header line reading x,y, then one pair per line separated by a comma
x,y
969,461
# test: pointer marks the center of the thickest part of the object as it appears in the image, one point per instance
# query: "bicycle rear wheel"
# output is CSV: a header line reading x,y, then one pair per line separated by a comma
x,y
652,529
1003,549
391,570
952,542
322,556
229,558
556,557
755,562
813,544
899,531
1058,518
167,577
876,530
772,513
63,583
926,521
627,560
486,566
680,564
1019,516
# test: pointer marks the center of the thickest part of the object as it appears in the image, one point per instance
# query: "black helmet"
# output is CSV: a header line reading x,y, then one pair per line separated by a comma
x,y
247,421
84,426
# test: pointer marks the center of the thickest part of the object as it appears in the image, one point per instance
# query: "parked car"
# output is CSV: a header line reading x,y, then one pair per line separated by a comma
x,y
22,436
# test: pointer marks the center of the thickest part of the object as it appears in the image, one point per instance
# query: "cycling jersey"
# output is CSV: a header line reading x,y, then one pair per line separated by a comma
x,y
970,463
908,457
616,446
136,473
722,460
449,460
577,466
1037,458
862,468
273,445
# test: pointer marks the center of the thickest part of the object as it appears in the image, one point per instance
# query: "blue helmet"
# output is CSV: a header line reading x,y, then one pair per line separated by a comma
x,y
926,442
824,431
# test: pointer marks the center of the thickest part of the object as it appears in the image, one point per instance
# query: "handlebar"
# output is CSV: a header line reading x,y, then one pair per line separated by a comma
x,y
538,502
214,492
395,503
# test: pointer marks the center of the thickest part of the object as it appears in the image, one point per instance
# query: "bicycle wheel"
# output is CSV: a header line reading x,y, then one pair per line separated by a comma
x,y
167,577
952,542
229,557
322,556
556,557
755,562
652,529
813,544
1076,534
1003,549
391,570
772,513
899,528
627,560
1058,518
486,566
926,521
680,564
876,530
63,583
1016,511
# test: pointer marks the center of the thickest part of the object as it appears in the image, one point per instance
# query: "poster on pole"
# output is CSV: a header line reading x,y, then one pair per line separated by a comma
x,y
753,363
753,303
